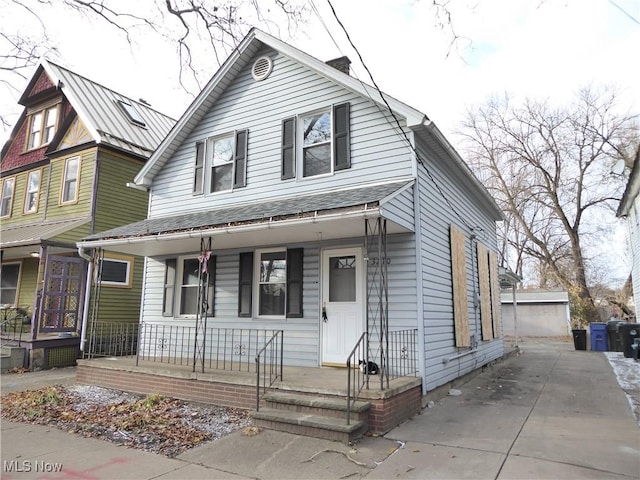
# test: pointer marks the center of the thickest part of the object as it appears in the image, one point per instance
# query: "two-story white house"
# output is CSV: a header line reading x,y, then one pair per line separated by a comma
x,y
293,199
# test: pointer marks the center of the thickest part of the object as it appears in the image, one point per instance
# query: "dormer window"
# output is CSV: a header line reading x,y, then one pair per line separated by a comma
x,y
42,127
132,114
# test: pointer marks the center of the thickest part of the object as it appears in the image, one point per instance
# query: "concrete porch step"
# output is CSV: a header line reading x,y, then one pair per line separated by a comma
x,y
318,426
316,405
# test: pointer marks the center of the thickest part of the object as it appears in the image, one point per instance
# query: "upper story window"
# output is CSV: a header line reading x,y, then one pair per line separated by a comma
x,y
8,185
317,143
70,180
221,163
42,127
9,285
32,192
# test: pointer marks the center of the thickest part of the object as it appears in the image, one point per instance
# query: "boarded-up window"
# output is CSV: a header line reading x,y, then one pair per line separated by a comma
x,y
495,293
459,276
485,292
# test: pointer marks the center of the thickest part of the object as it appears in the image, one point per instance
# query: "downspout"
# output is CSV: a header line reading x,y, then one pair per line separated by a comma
x,y
87,257
87,293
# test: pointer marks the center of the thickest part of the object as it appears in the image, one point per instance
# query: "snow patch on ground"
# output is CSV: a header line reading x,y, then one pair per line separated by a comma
x,y
627,372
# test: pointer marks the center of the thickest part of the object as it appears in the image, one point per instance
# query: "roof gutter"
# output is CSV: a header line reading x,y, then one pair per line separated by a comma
x,y
223,230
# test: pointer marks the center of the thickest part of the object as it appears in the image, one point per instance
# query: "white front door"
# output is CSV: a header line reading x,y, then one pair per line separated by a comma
x,y
342,317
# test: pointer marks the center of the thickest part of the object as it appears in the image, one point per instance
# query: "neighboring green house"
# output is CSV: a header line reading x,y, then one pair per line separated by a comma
x,y
64,173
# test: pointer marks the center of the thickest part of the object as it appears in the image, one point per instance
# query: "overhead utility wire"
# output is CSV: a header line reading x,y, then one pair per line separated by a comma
x,y
404,134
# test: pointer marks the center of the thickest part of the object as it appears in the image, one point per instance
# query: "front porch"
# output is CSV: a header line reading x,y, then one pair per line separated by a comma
x,y
388,407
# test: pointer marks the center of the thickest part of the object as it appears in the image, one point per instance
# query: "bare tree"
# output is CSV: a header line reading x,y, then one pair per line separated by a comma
x,y
196,28
549,169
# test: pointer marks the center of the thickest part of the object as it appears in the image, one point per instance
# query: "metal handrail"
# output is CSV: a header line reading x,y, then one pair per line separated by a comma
x,y
274,351
17,321
361,378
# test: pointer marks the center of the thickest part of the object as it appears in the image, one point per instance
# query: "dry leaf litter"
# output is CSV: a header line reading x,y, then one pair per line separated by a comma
x,y
153,423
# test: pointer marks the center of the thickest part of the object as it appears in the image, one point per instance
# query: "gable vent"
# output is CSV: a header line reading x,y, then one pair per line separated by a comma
x,y
261,68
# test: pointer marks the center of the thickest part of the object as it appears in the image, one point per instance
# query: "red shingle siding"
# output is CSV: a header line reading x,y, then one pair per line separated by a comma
x,y
16,156
43,83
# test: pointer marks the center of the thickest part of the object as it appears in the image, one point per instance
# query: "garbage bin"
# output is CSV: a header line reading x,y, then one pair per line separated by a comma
x,y
579,339
598,333
628,333
613,335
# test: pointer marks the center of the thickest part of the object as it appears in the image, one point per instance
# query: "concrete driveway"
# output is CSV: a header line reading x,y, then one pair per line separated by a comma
x,y
551,412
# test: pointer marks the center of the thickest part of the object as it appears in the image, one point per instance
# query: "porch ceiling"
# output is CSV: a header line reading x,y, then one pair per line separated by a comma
x,y
327,216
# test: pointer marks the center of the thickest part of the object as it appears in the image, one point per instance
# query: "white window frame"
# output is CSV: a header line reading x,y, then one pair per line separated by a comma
x,y
257,259
210,162
41,128
7,199
66,180
128,261
178,286
32,193
17,287
300,148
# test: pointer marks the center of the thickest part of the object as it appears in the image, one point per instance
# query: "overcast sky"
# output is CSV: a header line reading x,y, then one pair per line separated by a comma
x,y
526,47
533,48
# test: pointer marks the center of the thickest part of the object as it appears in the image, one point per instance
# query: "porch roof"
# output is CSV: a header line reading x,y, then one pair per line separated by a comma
x,y
22,239
328,215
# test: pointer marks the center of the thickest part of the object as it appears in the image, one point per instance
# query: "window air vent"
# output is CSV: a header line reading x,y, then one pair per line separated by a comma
x,y
261,68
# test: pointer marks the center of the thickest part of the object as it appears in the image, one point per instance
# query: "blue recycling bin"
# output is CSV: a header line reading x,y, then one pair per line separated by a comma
x,y
598,336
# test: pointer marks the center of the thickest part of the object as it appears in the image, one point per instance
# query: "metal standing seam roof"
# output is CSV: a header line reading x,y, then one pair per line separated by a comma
x,y
19,235
293,207
99,109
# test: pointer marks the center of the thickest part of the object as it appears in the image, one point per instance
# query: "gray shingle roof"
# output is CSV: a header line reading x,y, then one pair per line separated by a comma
x,y
292,207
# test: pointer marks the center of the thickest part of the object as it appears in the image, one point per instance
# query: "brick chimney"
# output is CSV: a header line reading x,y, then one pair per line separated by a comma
x,y
341,64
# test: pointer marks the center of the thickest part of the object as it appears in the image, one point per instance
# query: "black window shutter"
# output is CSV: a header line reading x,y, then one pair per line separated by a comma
x,y
169,287
245,283
295,259
341,141
288,148
240,167
198,174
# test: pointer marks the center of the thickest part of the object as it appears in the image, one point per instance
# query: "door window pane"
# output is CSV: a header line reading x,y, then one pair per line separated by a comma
x,y
342,279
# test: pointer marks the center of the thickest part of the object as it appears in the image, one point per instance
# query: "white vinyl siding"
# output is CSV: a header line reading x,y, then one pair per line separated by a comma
x,y
260,107
436,217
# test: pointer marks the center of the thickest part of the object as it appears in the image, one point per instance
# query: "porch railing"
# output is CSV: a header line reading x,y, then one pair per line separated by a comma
x,y
230,349
400,360
14,322
357,378
403,354
269,364
112,339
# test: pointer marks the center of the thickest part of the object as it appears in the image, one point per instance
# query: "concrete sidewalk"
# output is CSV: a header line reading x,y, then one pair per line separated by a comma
x,y
550,412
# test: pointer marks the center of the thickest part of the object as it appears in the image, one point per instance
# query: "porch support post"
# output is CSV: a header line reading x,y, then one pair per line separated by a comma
x,y
202,306
377,297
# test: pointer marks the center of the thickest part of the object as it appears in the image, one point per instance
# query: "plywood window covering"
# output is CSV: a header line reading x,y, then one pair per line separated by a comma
x,y
459,277
485,292
495,293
